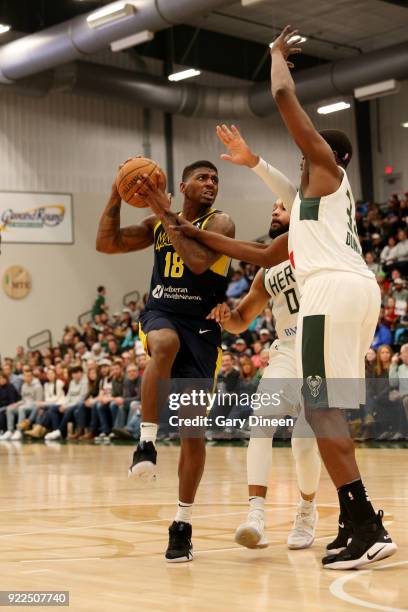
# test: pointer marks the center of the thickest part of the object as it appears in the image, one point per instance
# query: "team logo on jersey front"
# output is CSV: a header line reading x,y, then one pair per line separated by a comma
x,y
314,383
158,292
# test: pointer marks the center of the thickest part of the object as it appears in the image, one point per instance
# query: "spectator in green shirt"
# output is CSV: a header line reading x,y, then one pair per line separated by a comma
x,y
99,305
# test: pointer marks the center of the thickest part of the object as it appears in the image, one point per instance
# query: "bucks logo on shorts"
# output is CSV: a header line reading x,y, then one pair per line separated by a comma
x,y
314,383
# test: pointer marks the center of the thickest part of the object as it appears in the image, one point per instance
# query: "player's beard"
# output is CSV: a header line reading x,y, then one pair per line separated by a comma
x,y
278,231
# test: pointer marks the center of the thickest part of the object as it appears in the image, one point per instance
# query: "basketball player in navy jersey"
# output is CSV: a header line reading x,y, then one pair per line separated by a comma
x,y
188,280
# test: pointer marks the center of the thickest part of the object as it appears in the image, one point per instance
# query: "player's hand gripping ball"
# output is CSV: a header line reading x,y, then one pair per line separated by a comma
x,y
129,180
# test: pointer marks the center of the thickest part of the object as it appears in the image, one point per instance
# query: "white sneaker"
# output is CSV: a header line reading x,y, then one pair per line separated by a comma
x,y
53,435
303,531
252,533
6,436
17,435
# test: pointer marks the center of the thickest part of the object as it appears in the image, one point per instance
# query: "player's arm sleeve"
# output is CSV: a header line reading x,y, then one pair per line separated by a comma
x,y
277,182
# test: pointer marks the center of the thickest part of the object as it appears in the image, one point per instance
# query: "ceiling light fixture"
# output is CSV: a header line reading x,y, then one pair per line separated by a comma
x,y
4,28
184,74
111,13
404,124
132,41
377,90
333,108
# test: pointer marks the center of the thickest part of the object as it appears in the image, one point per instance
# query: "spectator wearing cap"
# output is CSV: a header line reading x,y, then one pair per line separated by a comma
x,y
97,354
400,295
239,347
265,338
237,286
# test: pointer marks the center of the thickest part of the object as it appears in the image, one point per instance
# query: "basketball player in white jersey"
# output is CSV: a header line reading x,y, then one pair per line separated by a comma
x,y
339,307
279,284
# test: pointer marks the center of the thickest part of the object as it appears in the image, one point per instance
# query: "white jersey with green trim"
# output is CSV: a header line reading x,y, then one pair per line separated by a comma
x,y
280,283
323,235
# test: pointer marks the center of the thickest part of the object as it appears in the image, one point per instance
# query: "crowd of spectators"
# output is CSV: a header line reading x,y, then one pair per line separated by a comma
x,y
88,387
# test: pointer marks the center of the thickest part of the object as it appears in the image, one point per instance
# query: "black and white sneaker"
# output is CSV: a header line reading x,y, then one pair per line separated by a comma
x,y
180,548
144,461
343,537
370,543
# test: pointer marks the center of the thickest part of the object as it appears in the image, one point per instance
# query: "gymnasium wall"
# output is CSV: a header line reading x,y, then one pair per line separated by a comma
x,y
390,140
64,143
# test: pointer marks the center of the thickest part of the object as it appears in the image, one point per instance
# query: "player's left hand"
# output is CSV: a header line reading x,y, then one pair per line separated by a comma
x,y
155,197
220,313
186,228
286,44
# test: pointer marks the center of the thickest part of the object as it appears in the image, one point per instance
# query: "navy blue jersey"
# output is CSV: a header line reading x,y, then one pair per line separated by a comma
x,y
174,288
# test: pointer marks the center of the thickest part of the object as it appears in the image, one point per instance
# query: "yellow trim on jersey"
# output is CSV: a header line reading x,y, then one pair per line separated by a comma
x,y
156,226
221,266
216,371
143,338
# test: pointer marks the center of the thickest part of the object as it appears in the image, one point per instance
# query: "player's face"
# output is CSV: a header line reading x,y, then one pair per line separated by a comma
x,y
201,186
280,220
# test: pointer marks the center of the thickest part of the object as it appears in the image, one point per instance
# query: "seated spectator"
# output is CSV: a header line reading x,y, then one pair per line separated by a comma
x,y
111,407
390,316
387,415
132,335
400,295
238,285
84,413
399,382
401,251
264,361
113,348
382,334
248,373
53,395
58,416
372,264
266,322
265,338
131,403
103,399
8,395
31,395
256,359
97,354
388,255
15,379
141,362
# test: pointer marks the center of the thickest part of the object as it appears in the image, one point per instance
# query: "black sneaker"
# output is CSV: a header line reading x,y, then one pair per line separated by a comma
x,y
144,461
180,548
369,543
343,537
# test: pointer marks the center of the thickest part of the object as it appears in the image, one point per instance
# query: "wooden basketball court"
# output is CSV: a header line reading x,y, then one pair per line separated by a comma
x,y
70,519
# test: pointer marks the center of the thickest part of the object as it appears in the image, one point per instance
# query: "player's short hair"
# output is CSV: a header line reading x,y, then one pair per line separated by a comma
x,y
100,288
202,163
340,143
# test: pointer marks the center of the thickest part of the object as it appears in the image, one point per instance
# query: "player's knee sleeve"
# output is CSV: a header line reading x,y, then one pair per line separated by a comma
x,y
307,462
259,457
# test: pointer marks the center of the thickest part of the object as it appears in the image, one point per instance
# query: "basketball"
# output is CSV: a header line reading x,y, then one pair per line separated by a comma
x,y
129,175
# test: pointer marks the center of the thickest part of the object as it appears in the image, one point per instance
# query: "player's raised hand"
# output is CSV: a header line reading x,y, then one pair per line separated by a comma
x,y
286,44
220,313
239,151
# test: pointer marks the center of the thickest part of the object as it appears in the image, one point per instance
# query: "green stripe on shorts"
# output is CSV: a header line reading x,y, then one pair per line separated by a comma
x,y
314,372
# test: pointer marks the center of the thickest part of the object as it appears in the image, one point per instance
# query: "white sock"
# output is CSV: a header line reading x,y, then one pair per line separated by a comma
x,y
257,506
148,432
306,505
184,512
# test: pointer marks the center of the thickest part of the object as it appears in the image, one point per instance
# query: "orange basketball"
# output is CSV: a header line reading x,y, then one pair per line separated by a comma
x,y
133,171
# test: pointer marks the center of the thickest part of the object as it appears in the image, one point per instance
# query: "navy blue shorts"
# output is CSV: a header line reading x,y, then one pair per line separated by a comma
x,y
200,350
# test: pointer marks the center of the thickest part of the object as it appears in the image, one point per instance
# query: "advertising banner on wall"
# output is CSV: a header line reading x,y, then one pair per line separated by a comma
x,y
36,217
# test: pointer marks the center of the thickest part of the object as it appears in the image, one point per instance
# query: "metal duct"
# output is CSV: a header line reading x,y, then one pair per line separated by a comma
x,y
340,77
328,80
73,39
